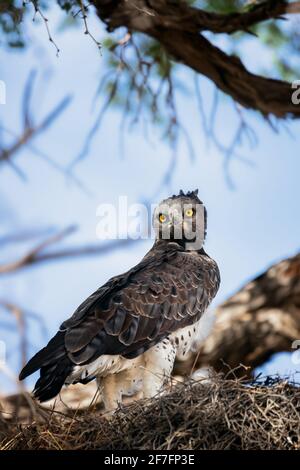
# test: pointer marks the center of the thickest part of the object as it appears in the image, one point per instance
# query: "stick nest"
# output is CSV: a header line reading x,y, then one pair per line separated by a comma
x,y
220,414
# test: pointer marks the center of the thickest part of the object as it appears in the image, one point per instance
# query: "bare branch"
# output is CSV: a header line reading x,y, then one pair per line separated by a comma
x,y
38,254
31,130
38,10
33,254
24,235
87,31
18,313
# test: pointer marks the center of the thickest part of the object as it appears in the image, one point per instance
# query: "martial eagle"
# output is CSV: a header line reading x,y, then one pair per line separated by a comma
x,y
128,333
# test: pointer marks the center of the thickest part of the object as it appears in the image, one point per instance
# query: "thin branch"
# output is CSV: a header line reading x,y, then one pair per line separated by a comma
x,y
83,250
87,31
21,316
243,129
31,130
18,313
38,10
24,235
38,254
87,143
32,255
135,70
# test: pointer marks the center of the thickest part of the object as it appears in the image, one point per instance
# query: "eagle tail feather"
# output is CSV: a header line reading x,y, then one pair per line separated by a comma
x,y
54,351
54,365
52,378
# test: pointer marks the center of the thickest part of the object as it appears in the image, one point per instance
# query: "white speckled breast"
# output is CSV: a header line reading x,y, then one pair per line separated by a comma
x,y
189,338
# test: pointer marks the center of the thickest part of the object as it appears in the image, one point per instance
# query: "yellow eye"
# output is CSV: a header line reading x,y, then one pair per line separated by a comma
x,y
189,212
162,217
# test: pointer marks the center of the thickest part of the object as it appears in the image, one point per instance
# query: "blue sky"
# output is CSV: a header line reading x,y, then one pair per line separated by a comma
x,y
249,227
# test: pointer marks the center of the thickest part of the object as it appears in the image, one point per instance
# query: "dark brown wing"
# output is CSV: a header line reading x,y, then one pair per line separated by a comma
x,y
139,309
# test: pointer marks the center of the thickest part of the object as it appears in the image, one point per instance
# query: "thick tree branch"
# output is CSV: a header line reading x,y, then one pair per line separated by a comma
x,y
182,17
177,26
230,75
231,23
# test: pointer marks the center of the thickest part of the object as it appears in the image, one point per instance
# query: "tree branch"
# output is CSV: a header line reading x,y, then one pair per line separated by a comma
x,y
230,75
231,23
196,20
177,26
29,133
180,16
38,255
18,313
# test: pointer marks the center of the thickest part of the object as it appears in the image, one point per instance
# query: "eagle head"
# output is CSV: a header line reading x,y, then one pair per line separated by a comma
x,y
181,218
